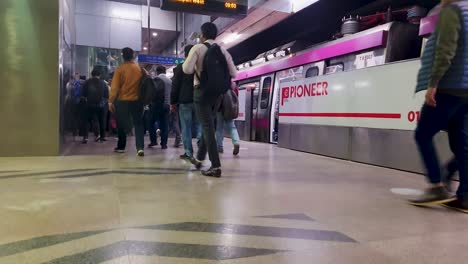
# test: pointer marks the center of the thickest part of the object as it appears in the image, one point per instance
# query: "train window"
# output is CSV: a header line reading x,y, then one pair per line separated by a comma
x,y
312,72
255,100
338,67
266,89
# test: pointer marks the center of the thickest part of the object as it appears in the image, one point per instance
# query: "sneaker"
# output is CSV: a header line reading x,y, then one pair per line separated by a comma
x,y
198,164
185,157
212,172
141,153
220,150
177,144
163,146
236,150
433,196
458,205
152,145
117,150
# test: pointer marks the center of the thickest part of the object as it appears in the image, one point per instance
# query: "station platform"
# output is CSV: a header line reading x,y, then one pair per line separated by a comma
x,y
272,206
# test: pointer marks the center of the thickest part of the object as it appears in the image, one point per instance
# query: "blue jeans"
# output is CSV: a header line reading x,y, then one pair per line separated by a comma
x,y
186,114
159,114
451,113
221,124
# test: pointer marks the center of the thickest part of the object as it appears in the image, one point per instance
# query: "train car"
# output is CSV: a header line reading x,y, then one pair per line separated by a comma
x,y
352,98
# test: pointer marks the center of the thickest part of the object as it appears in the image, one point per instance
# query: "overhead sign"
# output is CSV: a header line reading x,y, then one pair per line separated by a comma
x,y
142,58
207,7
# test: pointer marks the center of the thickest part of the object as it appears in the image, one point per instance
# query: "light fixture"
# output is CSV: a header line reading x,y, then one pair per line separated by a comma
x,y
145,48
155,34
231,38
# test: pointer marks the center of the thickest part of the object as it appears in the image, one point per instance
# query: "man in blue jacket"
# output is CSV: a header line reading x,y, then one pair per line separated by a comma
x,y
444,74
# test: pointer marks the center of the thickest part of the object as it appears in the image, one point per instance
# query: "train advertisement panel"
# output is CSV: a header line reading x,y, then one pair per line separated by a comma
x,y
377,97
242,101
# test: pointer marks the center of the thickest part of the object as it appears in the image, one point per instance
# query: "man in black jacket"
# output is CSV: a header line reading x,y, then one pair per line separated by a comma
x,y
182,98
96,94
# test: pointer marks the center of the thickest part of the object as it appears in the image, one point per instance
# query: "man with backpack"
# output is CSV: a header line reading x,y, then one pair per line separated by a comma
x,y
95,93
125,102
159,108
213,68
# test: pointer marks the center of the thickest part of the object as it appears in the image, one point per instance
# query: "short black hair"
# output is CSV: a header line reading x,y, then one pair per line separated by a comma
x,y
187,50
209,30
95,73
160,69
127,54
83,77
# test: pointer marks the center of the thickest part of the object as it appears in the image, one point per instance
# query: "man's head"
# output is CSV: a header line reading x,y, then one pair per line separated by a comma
x,y
160,70
187,50
208,31
127,54
96,73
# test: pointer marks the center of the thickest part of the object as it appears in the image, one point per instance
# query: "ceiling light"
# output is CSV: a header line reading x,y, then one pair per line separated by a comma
x,y
231,38
155,34
145,48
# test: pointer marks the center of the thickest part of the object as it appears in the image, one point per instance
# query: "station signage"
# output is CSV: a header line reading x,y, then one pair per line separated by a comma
x,y
229,8
143,58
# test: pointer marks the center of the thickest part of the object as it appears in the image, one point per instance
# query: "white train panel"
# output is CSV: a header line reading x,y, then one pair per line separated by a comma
x,y
377,97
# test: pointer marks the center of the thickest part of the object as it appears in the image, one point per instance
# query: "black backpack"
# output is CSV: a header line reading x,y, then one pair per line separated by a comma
x,y
147,90
94,91
215,78
159,92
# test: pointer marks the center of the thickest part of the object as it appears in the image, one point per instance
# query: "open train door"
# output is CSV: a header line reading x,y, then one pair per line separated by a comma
x,y
248,97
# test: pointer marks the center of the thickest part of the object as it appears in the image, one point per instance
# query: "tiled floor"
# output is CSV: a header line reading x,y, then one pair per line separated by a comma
x,y
272,206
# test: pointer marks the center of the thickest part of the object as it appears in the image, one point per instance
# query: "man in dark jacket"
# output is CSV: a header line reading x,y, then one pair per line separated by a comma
x,y
182,98
96,94
443,73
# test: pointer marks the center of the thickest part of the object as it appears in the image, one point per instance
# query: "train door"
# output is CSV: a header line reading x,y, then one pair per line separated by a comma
x,y
261,110
248,103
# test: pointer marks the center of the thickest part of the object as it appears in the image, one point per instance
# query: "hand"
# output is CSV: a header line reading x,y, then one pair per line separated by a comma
x,y
111,108
430,96
173,108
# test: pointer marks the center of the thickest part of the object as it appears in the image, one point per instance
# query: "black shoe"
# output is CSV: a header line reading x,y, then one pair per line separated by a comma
x,y
458,205
236,150
163,146
185,157
212,172
152,145
198,164
433,196
220,150
177,144
84,141
141,153
117,150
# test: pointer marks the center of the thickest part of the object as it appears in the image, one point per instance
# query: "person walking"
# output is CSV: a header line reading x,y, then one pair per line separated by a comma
x,y
213,68
96,94
182,101
442,74
222,124
124,101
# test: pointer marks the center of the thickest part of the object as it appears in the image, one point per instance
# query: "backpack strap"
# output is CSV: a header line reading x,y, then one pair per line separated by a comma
x,y
208,45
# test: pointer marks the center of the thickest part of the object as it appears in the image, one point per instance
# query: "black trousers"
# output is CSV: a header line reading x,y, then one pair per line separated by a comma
x,y
126,113
205,115
91,113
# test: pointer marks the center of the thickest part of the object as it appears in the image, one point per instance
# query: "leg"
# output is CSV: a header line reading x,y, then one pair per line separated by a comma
x,y
233,132
163,122
136,111
185,114
462,152
122,118
102,128
205,116
151,120
219,131
88,118
177,129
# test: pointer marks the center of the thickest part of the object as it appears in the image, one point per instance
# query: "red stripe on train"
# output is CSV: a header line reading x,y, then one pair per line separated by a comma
x,y
346,115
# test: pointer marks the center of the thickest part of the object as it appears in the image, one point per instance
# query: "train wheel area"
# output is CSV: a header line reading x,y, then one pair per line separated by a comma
x,y
272,205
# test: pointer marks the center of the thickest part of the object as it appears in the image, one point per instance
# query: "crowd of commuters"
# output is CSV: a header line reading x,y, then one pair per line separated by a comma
x,y
190,103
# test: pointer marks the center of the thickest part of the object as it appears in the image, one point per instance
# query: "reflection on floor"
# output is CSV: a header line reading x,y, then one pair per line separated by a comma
x,y
272,206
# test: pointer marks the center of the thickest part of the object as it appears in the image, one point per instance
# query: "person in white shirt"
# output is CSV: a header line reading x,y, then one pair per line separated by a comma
x,y
205,107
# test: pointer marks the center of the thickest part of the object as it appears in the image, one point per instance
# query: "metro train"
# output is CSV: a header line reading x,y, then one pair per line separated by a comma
x,y
351,98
